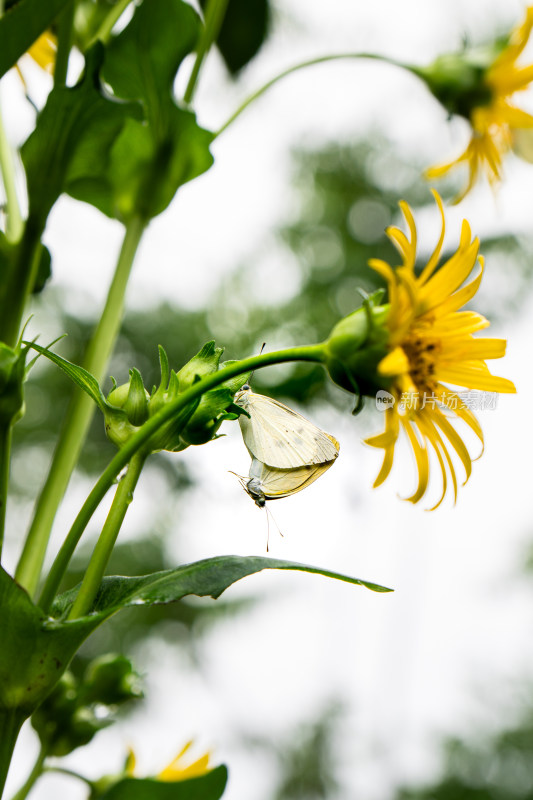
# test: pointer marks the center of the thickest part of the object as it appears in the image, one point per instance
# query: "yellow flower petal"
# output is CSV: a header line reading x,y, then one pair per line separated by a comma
x,y
431,344
395,363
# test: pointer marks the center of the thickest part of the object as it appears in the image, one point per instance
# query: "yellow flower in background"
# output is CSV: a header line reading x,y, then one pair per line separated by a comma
x,y
178,769
431,344
497,124
43,52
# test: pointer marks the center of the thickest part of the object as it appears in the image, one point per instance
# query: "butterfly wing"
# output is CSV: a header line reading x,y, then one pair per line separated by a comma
x,y
280,437
277,483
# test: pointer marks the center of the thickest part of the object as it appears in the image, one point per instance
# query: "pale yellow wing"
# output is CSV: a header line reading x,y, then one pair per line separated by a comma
x,y
279,436
277,483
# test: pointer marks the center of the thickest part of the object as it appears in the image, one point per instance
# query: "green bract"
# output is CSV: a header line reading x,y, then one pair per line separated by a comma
x,y
129,405
457,80
355,347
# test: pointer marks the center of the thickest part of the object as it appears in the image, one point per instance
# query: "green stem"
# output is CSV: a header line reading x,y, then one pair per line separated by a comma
x,y
5,455
78,416
113,15
214,16
104,547
65,24
10,725
18,285
36,773
297,68
70,772
124,455
14,224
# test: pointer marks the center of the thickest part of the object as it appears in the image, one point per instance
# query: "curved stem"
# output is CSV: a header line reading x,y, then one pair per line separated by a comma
x,y
36,773
303,65
14,224
5,456
70,772
119,461
214,16
104,547
78,416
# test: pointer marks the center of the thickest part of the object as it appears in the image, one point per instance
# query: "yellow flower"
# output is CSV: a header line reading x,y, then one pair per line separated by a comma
x,y
176,770
494,119
43,52
431,344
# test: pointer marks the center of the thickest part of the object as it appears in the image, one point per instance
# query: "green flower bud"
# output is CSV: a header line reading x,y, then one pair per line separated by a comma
x,y
126,409
355,347
132,397
110,680
208,417
458,80
128,406
204,363
61,723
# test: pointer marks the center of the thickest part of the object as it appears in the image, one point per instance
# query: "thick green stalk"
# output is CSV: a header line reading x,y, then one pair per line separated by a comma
x,y
65,23
214,16
34,775
10,725
119,461
17,287
78,416
104,547
5,456
303,65
14,224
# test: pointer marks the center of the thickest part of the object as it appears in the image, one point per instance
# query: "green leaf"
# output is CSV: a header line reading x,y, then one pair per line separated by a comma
x,y
72,138
36,648
21,25
205,787
31,659
243,31
151,158
80,376
209,577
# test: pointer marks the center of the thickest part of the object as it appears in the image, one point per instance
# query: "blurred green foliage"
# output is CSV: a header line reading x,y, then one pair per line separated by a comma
x,y
484,767
346,196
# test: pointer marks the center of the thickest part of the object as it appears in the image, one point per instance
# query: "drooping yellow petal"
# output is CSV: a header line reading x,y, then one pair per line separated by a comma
x,y
495,117
432,345
422,464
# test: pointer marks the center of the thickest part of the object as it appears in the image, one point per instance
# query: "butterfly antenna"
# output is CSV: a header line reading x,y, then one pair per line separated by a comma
x,y
252,373
273,518
268,529
242,479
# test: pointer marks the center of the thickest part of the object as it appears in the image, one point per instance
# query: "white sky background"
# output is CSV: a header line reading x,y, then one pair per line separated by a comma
x,y
445,652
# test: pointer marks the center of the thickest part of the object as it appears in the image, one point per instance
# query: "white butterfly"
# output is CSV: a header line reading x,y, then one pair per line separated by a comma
x,y
281,438
269,483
